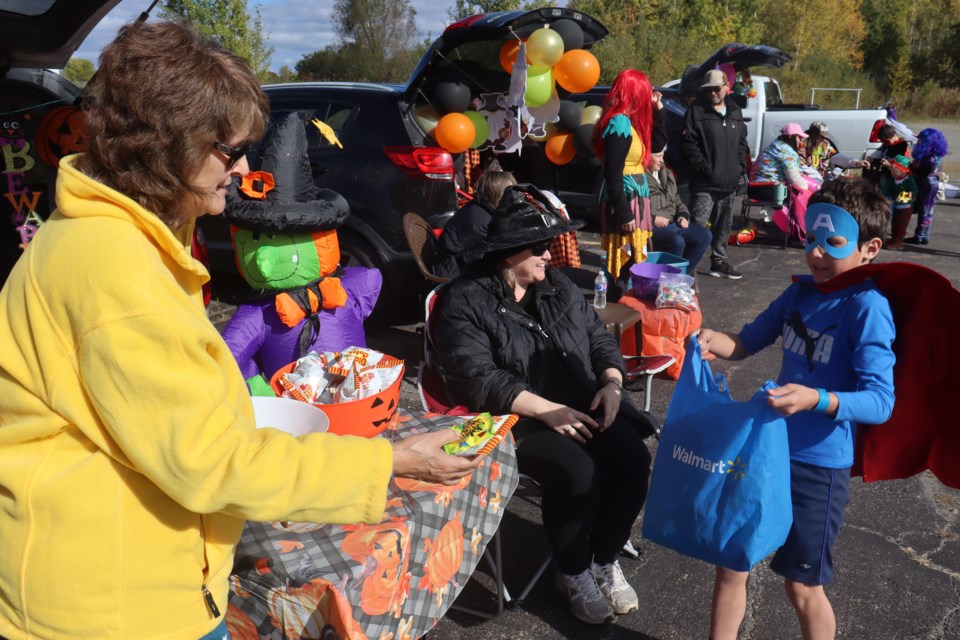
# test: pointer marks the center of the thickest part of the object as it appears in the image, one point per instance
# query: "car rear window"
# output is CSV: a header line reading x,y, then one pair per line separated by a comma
x,y
340,116
26,7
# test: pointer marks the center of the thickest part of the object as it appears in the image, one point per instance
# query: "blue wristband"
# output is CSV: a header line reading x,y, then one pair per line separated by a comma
x,y
824,401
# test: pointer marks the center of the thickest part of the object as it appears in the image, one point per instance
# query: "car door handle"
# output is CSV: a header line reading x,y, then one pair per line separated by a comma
x,y
317,170
748,119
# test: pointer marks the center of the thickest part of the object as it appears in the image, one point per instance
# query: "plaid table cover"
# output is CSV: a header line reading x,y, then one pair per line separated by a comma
x,y
390,581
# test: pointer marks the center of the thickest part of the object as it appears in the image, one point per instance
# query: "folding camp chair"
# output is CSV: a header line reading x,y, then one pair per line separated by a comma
x,y
434,398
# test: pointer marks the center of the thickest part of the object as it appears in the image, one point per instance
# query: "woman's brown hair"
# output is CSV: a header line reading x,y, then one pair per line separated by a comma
x,y
161,96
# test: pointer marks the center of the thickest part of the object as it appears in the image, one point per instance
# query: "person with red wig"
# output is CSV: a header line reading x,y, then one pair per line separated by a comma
x,y
622,141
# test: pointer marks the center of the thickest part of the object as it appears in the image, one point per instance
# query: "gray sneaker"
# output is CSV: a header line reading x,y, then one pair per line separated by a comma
x,y
615,588
724,270
586,602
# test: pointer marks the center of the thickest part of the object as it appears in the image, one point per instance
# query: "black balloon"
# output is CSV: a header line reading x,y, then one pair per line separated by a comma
x,y
571,33
583,144
451,97
569,116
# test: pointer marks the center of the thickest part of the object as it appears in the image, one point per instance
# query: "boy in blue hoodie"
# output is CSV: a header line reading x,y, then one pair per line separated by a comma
x,y
836,372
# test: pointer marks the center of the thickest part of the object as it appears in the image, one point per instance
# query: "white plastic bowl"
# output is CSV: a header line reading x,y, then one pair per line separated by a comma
x,y
295,417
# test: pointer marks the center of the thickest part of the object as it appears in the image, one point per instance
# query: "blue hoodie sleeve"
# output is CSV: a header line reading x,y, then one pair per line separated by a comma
x,y
873,360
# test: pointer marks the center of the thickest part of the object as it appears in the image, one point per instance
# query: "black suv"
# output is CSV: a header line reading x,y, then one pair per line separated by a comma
x,y
37,122
388,165
383,170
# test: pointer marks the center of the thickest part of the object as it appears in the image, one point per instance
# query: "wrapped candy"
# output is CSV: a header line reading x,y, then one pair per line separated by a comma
x,y
675,291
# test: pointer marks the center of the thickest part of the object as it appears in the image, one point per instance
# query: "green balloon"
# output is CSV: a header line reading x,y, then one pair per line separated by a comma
x,y
539,86
480,125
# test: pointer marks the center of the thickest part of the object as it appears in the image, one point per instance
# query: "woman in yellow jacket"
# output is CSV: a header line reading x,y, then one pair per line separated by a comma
x,y
128,454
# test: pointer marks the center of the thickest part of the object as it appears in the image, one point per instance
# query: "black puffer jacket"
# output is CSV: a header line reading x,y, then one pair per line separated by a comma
x,y
488,349
714,146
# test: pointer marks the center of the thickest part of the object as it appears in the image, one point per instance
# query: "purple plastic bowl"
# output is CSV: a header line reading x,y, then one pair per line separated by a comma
x,y
645,277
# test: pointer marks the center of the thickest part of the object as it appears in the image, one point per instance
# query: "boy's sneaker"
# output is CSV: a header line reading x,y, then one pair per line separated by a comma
x,y
723,270
614,586
587,603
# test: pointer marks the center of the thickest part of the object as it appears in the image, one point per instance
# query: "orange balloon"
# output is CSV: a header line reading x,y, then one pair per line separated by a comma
x,y
560,149
508,54
455,132
577,71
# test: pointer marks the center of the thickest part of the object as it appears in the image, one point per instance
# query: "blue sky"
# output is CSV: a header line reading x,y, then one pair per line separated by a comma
x,y
295,27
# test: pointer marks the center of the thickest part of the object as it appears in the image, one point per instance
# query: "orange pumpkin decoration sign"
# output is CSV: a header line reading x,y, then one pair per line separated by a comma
x,y
61,132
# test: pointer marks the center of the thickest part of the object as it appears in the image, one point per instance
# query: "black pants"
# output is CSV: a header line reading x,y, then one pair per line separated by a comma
x,y
593,492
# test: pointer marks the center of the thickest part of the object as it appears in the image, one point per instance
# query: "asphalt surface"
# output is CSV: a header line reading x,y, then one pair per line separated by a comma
x,y
897,557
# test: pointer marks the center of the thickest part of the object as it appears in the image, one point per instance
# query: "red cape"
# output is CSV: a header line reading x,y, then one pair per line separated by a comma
x,y
923,431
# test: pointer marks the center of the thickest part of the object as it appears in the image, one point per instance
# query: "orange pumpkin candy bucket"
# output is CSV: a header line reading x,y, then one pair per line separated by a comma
x,y
364,417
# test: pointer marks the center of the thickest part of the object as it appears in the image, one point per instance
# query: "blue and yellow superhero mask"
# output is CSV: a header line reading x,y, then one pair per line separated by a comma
x,y
826,221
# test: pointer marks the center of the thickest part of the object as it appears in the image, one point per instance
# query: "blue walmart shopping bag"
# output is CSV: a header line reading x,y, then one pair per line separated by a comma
x,y
720,489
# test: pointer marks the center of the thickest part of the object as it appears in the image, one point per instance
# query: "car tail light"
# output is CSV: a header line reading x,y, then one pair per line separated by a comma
x,y
875,132
466,22
422,163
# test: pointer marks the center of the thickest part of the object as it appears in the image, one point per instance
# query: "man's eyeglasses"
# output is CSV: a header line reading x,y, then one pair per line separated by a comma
x,y
714,89
540,248
233,153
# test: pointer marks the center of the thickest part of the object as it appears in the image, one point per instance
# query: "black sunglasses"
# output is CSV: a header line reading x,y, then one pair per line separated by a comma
x,y
233,153
537,250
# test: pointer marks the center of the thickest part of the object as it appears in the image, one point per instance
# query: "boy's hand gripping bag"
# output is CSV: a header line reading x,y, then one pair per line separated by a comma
x,y
720,489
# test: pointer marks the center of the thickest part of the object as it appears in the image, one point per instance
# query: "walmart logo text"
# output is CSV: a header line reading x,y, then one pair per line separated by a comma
x,y
737,468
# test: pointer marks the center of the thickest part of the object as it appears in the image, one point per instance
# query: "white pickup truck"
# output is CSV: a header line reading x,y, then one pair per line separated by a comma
x,y
766,113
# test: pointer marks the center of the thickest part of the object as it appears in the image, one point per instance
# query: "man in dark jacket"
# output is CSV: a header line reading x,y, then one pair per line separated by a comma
x,y
715,147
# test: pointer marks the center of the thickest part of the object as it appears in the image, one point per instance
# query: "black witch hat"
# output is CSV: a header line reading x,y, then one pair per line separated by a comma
x,y
524,216
291,203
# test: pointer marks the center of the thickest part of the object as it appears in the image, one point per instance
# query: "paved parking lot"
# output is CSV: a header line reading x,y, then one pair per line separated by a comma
x,y
898,555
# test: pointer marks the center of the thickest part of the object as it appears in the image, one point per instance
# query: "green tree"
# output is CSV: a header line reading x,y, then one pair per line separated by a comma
x,y
324,65
79,71
886,47
378,37
229,22
799,29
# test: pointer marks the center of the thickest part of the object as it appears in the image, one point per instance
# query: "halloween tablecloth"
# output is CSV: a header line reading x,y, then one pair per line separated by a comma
x,y
389,581
664,331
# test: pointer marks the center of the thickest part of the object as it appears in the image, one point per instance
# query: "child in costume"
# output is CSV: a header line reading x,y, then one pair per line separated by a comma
x,y
284,234
929,151
837,371
902,191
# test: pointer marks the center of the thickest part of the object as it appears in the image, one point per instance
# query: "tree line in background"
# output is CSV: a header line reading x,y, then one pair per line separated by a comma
x,y
907,51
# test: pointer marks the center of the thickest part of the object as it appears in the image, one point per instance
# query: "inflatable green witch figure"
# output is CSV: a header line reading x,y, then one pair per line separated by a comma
x,y
284,234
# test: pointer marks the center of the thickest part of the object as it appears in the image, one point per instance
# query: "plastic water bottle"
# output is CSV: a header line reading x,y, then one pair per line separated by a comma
x,y
600,287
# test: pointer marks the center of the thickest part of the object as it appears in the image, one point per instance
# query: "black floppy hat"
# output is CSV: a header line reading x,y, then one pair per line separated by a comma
x,y
524,216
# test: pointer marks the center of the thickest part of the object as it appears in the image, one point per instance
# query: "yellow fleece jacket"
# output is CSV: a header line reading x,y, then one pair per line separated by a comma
x,y
128,454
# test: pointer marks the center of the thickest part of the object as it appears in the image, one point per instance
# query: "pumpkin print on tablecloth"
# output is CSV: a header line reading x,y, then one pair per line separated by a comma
x,y
444,555
384,550
317,608
61,132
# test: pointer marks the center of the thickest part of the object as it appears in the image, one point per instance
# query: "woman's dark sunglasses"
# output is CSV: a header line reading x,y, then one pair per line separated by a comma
x,y
233,153
540,248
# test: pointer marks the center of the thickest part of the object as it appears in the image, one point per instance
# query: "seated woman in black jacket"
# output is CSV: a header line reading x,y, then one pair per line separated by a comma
x,y
512,336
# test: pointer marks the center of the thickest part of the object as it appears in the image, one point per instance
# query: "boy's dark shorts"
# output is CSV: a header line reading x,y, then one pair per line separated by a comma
x,y
819,498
